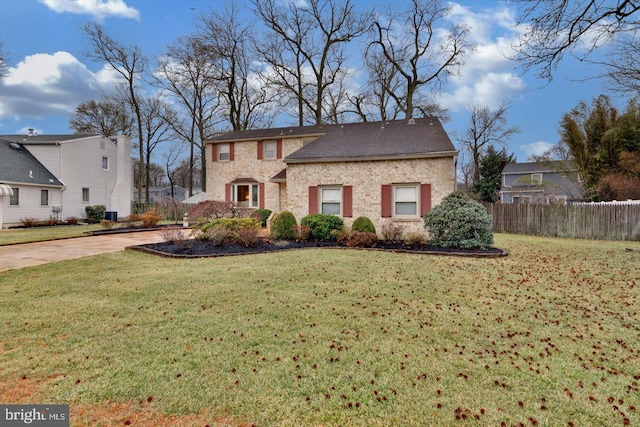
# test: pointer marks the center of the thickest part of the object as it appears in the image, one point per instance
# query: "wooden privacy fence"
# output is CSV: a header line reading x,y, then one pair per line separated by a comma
x,y
601,222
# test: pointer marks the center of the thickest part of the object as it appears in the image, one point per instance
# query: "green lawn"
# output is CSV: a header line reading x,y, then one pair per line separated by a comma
x,y
37,234
549,335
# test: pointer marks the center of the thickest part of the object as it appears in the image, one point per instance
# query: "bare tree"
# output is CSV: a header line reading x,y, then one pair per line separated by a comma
x,y
105,117
3,61
421,51
623,66
486,127
226,40
558,27
313,36
186,74
130,63
156,116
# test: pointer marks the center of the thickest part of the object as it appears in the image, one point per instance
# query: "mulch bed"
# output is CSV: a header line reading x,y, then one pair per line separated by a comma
x,y
198,249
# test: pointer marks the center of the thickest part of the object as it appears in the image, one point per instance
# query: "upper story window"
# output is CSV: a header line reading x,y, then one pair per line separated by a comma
x,y
105,163
270,149
536,178
331,200
405,200
15,199
224,152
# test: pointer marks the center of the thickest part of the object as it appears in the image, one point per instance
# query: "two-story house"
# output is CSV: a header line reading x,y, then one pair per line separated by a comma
x,y
392,171
80,170
540,182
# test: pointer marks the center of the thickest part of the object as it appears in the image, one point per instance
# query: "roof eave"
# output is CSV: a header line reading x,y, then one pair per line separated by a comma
x,y
264,137
412,156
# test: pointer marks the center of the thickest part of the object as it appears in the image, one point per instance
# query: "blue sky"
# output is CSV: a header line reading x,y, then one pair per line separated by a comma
x,y
49,74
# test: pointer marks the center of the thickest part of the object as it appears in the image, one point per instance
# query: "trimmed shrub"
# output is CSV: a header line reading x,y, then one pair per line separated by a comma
x,y
72,220
174,235
361,239
262,215
414,238
322,225
95,213
459,222
391,232
247,237
233,224
282,226
106,224
362,223
301,233
133,220
211,209
29,221
150,218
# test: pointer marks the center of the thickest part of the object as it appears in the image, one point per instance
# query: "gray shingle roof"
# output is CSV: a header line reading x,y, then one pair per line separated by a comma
x,y
42,139
359,141
18,165
539,167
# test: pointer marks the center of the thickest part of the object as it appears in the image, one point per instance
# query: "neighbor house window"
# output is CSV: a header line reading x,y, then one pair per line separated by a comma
x,y
105,163
405,200
85,194
246,195
15,199
270,149
536,178
331,200
224,152
44,197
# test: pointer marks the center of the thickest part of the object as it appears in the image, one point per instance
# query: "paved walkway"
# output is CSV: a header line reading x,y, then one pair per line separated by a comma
x,y
30,254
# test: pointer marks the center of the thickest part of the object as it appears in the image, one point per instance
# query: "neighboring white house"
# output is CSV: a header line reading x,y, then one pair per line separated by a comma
x,y
88,170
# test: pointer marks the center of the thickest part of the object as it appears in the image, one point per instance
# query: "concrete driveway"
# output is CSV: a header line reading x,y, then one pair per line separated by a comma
x,y
30,254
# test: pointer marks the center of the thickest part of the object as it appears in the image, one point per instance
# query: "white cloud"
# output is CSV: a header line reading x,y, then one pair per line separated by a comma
x,y
486,78
99,9
536,148
44,84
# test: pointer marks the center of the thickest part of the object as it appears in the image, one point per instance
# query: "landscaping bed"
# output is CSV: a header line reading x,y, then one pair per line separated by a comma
x,y
199,249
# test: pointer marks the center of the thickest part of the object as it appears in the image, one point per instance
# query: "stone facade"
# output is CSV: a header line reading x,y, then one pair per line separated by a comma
x,y
366,179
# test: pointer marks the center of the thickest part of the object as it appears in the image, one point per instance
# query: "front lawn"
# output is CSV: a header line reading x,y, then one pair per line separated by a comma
x,y
549,335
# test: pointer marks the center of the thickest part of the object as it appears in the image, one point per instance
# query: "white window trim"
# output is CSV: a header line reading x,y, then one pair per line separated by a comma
x,y
227,152
536,178
254,189
274,151
321,201
16,194
48,197
88,199
107,161
415,186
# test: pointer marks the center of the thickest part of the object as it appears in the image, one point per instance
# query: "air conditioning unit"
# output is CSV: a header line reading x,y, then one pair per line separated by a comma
x,y
56,209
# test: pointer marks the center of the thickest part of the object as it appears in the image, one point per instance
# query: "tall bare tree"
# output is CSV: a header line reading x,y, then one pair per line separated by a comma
x,y
107,117
313,37
156,118
419,48
486,127
3,61
130,63
557,27
186,75
623,65
227,42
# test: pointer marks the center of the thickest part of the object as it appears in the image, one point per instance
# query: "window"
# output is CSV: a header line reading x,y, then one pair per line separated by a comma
x,y
270,149
246,195
44,197
15,199
405,200
105,163
85,194
224,152
536,178
330,200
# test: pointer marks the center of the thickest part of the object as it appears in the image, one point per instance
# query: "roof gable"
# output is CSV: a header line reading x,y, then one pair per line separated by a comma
x,y
557,166
18,165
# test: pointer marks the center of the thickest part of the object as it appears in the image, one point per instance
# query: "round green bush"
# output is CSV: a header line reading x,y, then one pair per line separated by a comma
x,y
283,225
322,225
362,223
459,222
